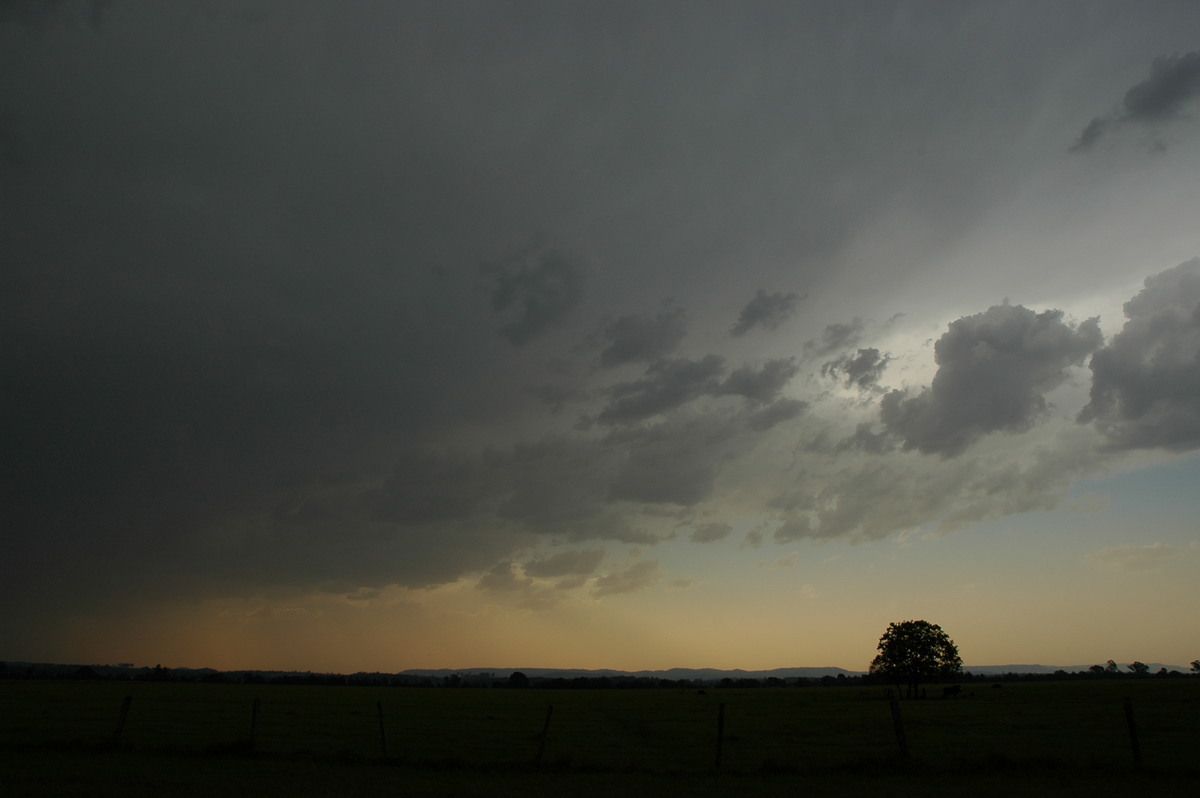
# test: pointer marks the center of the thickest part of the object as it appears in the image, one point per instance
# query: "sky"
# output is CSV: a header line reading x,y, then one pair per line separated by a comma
x,y
367,336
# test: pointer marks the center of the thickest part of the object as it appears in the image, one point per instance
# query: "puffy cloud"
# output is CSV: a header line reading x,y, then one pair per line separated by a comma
x,y
574,562
765,310
993,371
641,339
1146,382
542,287
638,576
1173,83
862,369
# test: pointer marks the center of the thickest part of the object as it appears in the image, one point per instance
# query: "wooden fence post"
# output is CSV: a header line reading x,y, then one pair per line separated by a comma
x,y
545,734
254,724
898,724
720,734
121,718
382,728
1133,735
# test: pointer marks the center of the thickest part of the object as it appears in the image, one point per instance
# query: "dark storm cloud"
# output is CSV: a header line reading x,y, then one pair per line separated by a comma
x,y
633,339
1146,382
674,462
993,369
1163,97
668,384
247,344
862,369
840,335
761,385
765,310
39,15
777,412
576,562
671,384
542,289
423,489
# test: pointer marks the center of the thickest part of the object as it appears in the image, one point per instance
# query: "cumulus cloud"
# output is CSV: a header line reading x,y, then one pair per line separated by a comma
x,y
641,339
765,310
638,576
1174,82
1146,382
993,371
537,290
862,369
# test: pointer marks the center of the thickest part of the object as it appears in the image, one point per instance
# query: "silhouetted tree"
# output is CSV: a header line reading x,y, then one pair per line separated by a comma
x,y
1111,667
518,679
911,652
1097,670
1196,666
1139,668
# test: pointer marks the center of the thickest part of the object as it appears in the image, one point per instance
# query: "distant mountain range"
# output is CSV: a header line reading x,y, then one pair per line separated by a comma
x,y
713,674
12,669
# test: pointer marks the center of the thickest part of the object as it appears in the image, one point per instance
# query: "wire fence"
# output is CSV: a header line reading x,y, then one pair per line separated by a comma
x,y
664,730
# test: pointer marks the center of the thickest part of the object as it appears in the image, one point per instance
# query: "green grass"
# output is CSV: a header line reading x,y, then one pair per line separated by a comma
x,y
194,739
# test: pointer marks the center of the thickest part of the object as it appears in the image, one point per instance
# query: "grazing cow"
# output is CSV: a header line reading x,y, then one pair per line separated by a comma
x,y
951,692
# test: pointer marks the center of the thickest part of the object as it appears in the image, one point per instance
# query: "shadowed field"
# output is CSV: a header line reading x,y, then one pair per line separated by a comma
x,y
192,739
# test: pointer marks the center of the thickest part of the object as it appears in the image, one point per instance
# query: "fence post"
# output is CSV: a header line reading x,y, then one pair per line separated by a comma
x,y
121,718
545,734
382,728
1133,735
720,734
898,724
254,724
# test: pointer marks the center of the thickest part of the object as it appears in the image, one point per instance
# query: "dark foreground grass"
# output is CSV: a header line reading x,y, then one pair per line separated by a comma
x,y
180,740
122,773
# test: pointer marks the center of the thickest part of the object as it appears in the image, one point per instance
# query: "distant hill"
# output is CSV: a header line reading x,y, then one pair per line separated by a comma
x,y
696,674
13,669
715,674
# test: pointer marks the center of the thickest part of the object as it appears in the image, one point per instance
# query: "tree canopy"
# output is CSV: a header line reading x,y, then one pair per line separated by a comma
x,y
911,652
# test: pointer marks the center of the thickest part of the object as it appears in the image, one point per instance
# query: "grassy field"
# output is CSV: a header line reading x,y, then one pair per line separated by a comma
x,y
1068,738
